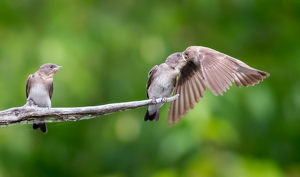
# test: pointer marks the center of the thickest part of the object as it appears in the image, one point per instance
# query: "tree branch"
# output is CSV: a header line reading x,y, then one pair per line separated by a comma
x,y
28,113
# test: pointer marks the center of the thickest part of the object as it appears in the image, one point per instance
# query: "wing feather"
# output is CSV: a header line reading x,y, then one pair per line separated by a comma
x,y
181,103
50,90
218,68
217,71
201,84
196,88
214,87
191,93
190,87
224,76
28,85
219,79
151,77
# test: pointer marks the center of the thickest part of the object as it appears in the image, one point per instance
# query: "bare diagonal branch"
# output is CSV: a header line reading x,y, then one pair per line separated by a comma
x,y
28,113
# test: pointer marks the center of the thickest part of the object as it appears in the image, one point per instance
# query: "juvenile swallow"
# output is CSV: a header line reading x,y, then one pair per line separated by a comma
x,y
161,83
39,89
207,68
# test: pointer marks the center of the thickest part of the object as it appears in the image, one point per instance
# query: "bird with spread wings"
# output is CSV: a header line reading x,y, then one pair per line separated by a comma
x,y
205,69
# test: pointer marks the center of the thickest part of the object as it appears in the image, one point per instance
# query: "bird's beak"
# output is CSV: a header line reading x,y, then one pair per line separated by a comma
x,y
183,56
60,67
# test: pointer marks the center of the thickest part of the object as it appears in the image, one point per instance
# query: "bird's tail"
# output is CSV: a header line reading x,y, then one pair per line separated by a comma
x,y
38,124
154,116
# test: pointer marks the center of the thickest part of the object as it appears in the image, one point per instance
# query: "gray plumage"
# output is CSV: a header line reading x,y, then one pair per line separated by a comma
x,y
161,82
39,89
207,68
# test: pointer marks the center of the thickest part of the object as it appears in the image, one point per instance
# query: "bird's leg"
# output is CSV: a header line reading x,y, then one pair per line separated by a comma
x,y
30,102
164,99
154,100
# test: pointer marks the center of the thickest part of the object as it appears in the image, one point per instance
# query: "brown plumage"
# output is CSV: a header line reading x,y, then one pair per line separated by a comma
x,y
161,82
208,68
39,89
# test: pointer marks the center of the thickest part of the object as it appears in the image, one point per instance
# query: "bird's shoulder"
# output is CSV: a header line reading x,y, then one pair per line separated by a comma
x,y
151,75
152,71
206,53
28,84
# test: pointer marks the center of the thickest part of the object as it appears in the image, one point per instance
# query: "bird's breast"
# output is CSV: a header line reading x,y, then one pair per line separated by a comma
x,y
40,96
162,87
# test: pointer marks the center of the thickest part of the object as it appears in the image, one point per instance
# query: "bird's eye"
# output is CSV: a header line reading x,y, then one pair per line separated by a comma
x,y
187,53
173,68
51,66
178,55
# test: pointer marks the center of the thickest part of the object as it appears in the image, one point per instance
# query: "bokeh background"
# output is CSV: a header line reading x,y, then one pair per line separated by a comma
x,y
106,49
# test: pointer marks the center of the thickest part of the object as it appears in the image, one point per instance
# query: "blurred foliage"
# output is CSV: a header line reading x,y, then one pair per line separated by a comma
x,y
106,49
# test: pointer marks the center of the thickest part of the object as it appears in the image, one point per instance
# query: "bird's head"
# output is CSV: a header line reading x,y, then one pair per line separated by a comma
x,y
175,60
49,69
190,53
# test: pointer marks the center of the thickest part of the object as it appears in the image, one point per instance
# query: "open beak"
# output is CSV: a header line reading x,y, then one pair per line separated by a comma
x,y
183,56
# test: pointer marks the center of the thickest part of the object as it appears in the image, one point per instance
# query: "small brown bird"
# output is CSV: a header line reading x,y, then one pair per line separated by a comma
x,y
161,83
39,89
207,68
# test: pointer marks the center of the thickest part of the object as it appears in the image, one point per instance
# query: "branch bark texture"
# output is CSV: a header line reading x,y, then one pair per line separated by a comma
x,y
28,113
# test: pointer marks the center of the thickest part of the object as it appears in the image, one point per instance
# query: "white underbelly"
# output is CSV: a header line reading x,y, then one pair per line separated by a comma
x,y
40,96
161,88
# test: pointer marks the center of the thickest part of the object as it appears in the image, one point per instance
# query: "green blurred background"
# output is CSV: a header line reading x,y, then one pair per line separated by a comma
x,y
106,49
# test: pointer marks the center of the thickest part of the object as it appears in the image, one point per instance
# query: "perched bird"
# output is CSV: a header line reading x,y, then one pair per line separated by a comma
x,y
161,83
207,68
39,89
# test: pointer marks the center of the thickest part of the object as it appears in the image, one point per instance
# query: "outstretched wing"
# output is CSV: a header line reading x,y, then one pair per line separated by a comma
x,y
190,87
216,70
219,70
151,77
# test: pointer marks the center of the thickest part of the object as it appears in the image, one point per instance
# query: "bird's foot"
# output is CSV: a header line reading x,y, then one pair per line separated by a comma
x,y
30,103
164,99
153,100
